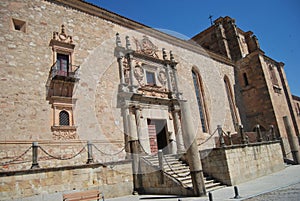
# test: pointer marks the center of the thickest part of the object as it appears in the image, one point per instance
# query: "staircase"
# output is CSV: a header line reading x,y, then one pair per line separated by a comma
x,y
181,172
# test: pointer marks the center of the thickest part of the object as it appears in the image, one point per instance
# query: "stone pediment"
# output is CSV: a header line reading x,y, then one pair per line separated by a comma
x,y
62,39
145,46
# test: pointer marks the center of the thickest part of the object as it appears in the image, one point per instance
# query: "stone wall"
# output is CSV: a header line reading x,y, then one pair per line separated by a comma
x,y
113,179
26,59
236,164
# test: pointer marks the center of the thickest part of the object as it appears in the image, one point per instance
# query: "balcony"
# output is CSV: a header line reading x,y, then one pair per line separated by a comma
x,y
70,73
61,80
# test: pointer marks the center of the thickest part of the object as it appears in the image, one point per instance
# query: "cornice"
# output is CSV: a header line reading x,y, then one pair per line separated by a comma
x,y
94,10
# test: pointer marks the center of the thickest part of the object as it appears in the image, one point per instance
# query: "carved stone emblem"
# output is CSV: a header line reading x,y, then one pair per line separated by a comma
x,y
62,36
145,46
162,77
139,74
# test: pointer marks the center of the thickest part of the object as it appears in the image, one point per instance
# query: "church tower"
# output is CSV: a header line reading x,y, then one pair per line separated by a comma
x,y
262,92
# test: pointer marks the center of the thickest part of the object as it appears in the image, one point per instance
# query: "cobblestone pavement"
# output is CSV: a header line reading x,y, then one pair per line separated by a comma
x,y
290,193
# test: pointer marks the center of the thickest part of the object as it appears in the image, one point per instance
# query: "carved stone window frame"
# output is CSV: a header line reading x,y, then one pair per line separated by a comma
x,y
151,69
61,48
62,43
62,104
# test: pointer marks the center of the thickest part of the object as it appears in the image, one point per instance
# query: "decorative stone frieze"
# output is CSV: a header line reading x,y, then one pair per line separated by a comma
x,y
64,133
154,91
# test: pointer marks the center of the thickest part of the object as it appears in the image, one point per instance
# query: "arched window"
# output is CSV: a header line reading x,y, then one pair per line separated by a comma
x,y
200,100
230,101
64,118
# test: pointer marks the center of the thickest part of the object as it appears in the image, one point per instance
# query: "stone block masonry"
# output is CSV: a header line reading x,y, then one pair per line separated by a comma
x,y
113,179
233,165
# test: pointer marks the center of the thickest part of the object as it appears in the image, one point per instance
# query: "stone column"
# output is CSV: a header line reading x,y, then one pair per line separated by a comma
x,y
175,80
167,67
193,155
133,141
141,137
178,133
293,141
125,114
121,73
174,71
131,72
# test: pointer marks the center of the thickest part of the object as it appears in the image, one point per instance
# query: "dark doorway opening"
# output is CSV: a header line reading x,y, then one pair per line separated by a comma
x,y
157,130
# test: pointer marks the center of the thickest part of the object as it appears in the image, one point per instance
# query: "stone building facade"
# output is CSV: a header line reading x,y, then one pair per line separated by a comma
x,y
261,88
72,73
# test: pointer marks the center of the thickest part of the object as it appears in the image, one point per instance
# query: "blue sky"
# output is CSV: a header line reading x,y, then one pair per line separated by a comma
x,y
276,23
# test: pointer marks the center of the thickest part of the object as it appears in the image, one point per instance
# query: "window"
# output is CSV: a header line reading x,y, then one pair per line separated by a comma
x,y
273,77
150,77
19,25
298,107
64,118
62,63
246,82
200,100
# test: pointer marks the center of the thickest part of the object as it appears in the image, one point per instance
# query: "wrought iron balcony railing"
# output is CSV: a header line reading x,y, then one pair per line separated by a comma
x,y
71,73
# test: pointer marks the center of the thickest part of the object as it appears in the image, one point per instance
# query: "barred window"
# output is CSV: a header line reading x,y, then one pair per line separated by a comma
x,y
64,118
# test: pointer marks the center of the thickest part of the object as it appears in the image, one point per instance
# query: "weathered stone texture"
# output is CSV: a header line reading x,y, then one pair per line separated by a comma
x,y
27,58
26,113
237,164
114,180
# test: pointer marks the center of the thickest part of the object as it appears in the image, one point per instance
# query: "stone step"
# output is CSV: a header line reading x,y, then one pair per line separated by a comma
x,y
212,184
188,181
176,165
209,181
183,171
155,161
215,188
179,170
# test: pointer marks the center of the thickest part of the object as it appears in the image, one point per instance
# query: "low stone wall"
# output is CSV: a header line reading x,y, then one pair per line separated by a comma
x,y
113,179
232,165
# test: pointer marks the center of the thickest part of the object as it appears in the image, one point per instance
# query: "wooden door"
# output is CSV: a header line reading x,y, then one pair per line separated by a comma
x,y
152,138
